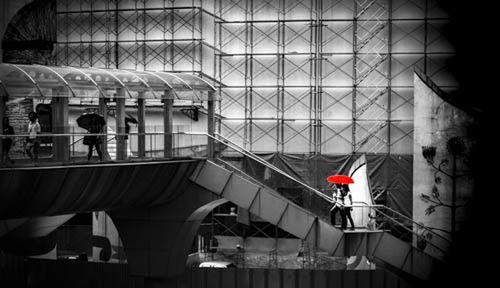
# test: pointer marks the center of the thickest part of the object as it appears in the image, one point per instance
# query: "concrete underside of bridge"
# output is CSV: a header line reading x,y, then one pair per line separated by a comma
x,y
157,208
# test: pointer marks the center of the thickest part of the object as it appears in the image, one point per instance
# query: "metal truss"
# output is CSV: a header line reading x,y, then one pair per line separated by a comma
x,y
295,76
371,41
223,223
139,35
275,63
275,54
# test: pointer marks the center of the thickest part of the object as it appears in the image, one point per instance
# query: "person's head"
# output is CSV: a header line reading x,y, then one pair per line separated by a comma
x,y
32,116
5,121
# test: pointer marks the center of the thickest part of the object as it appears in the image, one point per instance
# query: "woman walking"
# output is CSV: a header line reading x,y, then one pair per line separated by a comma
x,y
32,142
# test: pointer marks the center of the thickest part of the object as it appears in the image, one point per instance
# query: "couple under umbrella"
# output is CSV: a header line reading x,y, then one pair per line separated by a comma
x,y
93,123
340,196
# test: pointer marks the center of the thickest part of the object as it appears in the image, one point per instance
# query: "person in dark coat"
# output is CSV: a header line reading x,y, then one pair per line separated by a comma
x,y
94,140
336,207
7,142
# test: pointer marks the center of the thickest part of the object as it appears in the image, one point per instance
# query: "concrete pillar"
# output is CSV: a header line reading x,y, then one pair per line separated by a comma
x,y
168,117
103,226
158,239
121,144
211,124
59,105
141,129
103,110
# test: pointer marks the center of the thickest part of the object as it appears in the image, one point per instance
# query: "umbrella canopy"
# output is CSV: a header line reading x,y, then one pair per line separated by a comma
x,y
90,120
131,119
340,179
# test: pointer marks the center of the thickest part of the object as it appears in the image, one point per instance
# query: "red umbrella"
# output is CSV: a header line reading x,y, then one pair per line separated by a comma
x,y
340,179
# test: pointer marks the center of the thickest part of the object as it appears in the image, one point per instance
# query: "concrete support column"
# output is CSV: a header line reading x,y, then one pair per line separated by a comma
x,y
168,116
103,226
103,110
121,144
158,239
141,129
211,124
60,148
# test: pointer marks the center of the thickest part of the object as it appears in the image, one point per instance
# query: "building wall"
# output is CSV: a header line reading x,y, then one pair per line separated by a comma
x,y
436,122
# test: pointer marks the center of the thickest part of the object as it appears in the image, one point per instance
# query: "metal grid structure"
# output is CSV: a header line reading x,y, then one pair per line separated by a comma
x,y
150,35
295,76
321,76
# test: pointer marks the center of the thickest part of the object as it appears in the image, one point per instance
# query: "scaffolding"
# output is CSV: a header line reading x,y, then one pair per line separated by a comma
x,y
295,76
329,77
139,35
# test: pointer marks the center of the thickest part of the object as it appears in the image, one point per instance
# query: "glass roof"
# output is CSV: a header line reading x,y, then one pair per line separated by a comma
x,y
53,81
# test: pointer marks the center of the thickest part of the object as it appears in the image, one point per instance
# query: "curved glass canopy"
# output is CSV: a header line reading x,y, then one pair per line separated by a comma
x,y
53,81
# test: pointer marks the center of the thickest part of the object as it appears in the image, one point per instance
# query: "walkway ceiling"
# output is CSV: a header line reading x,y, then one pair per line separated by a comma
x,y
30,81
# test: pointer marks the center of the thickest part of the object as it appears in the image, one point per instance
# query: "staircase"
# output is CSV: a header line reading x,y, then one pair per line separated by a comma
x,y
247,192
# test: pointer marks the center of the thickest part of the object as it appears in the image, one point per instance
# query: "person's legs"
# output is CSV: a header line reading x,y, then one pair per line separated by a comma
x,y
8,156
29,147
344,220
333,215
6,144
348,216
98,149
89,155
6,153
36,145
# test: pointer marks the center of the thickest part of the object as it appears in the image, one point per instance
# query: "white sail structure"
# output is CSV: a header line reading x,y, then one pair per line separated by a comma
x,y
361,192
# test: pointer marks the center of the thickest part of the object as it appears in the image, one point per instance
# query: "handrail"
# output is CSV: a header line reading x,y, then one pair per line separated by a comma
x,y
270,166
378,206
264,162
365,205
90,134
223,140
413,232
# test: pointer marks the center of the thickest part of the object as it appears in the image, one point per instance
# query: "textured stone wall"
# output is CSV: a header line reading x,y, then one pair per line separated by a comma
x,y
17,111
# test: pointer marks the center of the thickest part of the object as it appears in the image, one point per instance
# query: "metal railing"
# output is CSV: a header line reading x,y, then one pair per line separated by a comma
x,y
68,148
195,145
386,213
